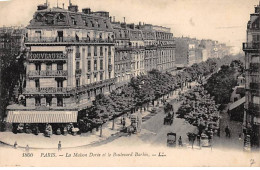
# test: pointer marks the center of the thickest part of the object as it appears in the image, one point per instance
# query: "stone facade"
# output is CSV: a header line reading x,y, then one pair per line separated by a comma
x,y
252,66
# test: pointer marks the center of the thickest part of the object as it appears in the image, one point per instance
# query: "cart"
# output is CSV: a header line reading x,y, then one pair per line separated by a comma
x,y
171,139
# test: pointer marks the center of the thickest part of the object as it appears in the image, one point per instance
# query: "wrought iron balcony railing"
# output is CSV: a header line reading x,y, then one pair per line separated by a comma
x,y
48,90
67,40
48,73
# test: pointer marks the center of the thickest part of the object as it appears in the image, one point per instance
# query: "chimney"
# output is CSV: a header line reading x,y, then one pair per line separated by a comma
x,y
124,19
140,23
63,5
86,10
110,18
114,19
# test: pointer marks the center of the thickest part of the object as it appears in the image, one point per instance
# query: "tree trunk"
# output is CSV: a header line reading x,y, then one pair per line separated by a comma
x,y
113,125
100,131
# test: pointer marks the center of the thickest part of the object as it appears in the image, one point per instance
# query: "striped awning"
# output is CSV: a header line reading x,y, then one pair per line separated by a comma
x,y
42,116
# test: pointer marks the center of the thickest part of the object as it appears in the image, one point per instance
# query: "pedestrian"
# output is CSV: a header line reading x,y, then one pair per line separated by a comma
x,y
27,148
180,142
227,131
15,145
59,146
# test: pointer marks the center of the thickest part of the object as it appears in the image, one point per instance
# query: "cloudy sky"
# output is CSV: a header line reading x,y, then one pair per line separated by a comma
x,y
222,20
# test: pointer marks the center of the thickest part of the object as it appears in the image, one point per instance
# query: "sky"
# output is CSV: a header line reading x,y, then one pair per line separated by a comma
x,y
221,20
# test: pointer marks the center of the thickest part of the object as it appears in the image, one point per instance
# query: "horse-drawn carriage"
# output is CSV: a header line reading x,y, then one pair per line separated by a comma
x,y
168,109
168,120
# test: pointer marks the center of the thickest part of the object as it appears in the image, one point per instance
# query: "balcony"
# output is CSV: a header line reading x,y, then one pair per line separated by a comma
x,y
48,73
251,46
95,85
48,90
47,56
66,40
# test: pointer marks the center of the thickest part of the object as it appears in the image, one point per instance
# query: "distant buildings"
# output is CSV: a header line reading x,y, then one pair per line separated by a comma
x,y
141,48
252,66
191,50
11,41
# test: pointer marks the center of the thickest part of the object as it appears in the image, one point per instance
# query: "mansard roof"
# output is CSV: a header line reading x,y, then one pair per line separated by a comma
x,y
61,18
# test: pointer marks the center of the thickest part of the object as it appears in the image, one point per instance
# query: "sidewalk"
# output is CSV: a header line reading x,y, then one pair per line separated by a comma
x,y
69,141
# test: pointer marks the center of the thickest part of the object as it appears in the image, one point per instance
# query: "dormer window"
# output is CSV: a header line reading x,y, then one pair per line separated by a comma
x,y
61,18
74,22
38,18
92,24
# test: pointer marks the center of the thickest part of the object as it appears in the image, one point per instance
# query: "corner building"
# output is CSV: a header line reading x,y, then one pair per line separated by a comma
x,y
252,59
70,61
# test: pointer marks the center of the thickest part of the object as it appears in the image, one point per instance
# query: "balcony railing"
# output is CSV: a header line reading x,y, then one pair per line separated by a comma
x,y
99,84
67,40
48,73
48,90
68,90
251,46
47,56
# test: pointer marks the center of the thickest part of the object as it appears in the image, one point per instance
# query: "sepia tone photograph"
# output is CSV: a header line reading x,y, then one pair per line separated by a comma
x,y
129,83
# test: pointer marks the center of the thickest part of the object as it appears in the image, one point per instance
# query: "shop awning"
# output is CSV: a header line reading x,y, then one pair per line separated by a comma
x,y
237,103
42,116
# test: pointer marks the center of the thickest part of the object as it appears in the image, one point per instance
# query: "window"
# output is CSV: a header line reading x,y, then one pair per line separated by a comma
x,y
109,50
88,76
95,65
109,74
59,101
38,66
59,66
101,64
95,50
48,100
59,83
101,76
89,51
48,67
101,51
109,60
89,65
77,65
37,83
77,82
37,101
95,76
